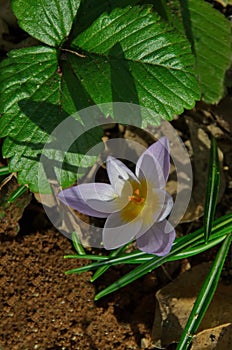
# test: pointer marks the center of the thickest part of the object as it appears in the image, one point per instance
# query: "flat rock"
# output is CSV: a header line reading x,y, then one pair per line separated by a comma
x,y
175,302
217,338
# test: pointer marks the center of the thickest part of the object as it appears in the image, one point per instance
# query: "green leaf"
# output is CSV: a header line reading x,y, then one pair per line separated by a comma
x,y
47,21
130,55
210,35
23,75
212,188
205,296
32,107
135,57
89,11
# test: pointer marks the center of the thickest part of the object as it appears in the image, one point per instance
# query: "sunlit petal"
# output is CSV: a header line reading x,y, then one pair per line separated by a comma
x,y
118,174
116,233
152,210
94,199
158,239
156,200
154,163
167,207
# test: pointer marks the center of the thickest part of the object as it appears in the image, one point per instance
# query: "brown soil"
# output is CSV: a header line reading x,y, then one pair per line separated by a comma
x,y
42,308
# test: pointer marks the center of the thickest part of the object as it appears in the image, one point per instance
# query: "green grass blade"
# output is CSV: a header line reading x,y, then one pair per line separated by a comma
x,y
108,262
221,227
138,258
199,248
87,256
205,296
16,194
103,269
212,189
4,170
77,244
135,274
152,264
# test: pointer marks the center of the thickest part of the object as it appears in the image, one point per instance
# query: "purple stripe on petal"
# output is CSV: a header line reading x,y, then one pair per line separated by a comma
x,y
81,198
116,233
158,239
155,160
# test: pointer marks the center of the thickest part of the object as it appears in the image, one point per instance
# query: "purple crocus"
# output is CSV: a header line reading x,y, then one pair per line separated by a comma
x,y
134,205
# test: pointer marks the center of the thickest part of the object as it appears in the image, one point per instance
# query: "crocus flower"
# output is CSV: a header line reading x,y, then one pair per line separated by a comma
x,y
134,205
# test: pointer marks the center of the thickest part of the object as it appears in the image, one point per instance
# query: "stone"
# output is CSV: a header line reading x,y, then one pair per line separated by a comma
x,y
175,302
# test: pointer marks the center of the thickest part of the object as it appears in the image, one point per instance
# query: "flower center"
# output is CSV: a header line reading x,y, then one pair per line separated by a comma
x,y
136,201
136,198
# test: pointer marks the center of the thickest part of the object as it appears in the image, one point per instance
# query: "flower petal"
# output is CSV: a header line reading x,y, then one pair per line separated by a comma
x,y
158,239
167,207
116,233
152,210
154,163
94,199
118,174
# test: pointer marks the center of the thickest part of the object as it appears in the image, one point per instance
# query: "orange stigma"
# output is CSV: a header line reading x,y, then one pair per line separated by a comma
x,y
136,197
136,201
